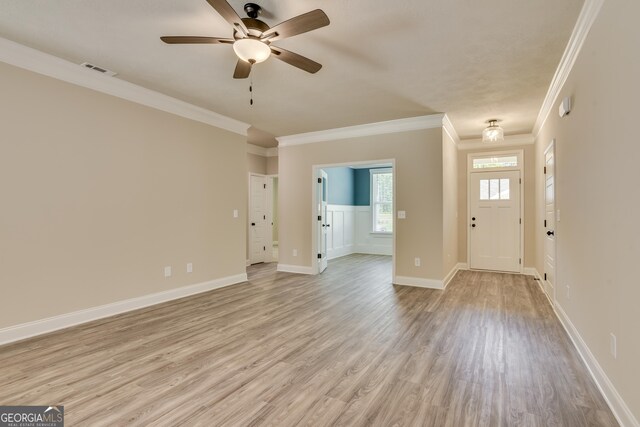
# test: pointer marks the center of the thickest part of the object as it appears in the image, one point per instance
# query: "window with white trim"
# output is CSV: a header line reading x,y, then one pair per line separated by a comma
x,y
382,200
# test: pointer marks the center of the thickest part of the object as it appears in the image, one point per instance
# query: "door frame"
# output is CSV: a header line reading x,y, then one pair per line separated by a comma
x,y
315,197
482,154
551,147
269,180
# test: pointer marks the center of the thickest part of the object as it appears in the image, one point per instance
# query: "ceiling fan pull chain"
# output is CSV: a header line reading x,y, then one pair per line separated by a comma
x,y
251,92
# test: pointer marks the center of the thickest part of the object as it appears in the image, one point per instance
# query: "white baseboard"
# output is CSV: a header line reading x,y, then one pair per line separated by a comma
x,y
43,326
369,249
248,263
459,266
418,282
337,253
300,269
619,408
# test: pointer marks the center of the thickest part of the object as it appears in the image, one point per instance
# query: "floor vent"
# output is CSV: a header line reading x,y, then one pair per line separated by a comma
x,y
99,69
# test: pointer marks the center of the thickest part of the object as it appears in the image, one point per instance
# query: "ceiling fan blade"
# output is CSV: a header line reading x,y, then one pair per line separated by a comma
x,y
296,60
226,11
195,40
298,25
243,69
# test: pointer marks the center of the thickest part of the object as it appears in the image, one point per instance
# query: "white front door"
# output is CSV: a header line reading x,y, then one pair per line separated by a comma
x,y
494,221
257,219
549,223
323,224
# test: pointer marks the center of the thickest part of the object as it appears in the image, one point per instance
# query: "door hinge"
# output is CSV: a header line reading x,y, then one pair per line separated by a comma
x,y
545,276
519,180
264,217
319,181
545,222
319,217
264,248
264,186
319,256
519,260
520,220
545,169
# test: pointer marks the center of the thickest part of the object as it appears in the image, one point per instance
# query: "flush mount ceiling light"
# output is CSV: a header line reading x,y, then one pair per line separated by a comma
x,y
493,132
251,50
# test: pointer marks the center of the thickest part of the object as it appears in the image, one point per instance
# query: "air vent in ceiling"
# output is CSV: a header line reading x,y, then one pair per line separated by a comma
x,y
99,69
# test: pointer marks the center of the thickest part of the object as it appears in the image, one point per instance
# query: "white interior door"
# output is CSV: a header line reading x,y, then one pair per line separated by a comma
x,y
549,222
257,219
494,221
323,224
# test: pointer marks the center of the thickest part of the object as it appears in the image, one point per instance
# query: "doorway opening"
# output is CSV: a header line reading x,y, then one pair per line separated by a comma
x,y
353,210
495,211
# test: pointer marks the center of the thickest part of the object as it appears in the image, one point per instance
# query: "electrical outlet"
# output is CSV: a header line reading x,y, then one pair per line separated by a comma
x,y
613,345
190,267
295,252
402,214
417,262
167,271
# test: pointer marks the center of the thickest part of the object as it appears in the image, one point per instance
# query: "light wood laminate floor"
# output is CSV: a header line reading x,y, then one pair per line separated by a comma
x,y
342,348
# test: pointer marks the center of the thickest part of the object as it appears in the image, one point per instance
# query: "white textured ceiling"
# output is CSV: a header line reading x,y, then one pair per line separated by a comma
x,y
382,59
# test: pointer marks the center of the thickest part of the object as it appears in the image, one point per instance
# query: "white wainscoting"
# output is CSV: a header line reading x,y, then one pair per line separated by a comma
x,y
350,232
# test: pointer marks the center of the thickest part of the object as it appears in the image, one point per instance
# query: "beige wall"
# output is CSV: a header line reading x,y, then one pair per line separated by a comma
x,y
419,189
256,164
529,218
99,194
272,165
449,203
597,179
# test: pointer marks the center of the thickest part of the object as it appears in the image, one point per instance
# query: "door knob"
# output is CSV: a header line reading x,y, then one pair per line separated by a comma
x,y
473,225
473,219
328,225
253,223
551,233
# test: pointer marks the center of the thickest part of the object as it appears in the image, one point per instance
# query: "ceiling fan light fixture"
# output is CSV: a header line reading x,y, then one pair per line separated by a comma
x,y
493,132
251,50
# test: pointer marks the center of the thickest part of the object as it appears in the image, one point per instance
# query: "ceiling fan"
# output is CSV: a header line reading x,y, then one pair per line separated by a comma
x,y
252,37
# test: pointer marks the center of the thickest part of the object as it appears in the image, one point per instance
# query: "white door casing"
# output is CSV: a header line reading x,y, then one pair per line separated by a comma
x,y
549,222
257,219
323,224
495,221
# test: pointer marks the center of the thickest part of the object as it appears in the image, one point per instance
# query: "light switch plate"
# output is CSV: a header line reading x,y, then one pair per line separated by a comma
x,y
402,214
190,267
235,213
167,271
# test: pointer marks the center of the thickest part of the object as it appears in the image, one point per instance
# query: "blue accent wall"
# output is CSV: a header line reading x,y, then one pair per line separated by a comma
x,y
341,186
362,187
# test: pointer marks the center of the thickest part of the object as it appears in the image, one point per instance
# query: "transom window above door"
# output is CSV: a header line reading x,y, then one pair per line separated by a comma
x,y
510,161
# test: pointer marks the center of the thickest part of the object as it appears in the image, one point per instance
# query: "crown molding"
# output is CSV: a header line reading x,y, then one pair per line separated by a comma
x,y
450,130
39,62
509,141
379,128
262,151
587,17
